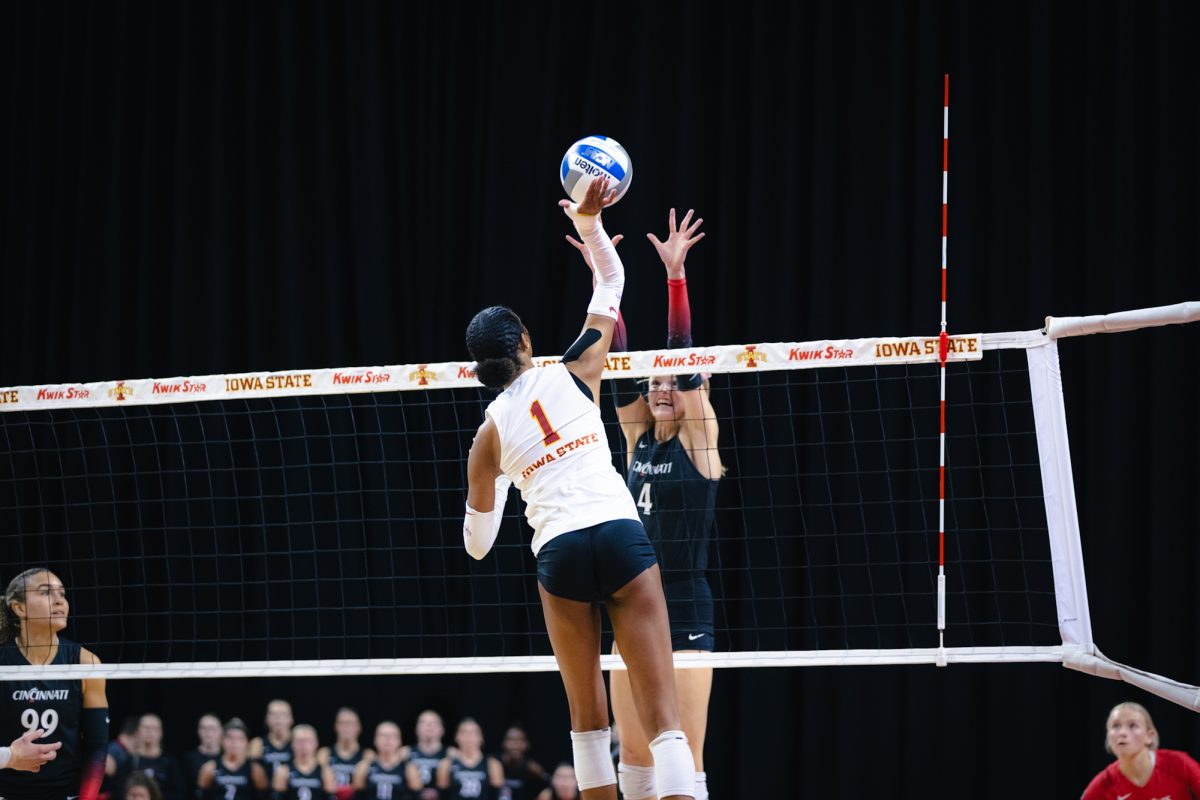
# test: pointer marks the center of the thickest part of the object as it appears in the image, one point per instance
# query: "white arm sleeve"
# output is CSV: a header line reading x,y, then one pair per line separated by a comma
x,y
610,273
480,527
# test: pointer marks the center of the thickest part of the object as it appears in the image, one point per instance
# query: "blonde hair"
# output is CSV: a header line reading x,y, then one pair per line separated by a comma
x,y
1129,705
10,623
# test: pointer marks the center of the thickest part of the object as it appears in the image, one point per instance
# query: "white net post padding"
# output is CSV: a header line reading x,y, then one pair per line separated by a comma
x,y
1096,663
1058,489
1135,319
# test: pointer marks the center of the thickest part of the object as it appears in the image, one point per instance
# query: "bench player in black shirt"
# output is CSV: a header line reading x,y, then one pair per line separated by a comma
x,y
344,757
468,774
232,775
73,713
306,778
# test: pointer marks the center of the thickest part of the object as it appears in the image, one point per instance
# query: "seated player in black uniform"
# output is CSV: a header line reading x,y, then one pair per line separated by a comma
x,y
469,774
208,731
672,468
148,757
524,778
233,776
563,785
306,778
71,713
381,775
426,755
343,758
276,747
140,786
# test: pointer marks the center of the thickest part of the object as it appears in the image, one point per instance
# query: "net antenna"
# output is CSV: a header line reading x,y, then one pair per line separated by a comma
x,y
943,351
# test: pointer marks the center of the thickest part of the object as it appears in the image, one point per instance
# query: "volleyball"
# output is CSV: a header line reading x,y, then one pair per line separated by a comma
x,y
595,157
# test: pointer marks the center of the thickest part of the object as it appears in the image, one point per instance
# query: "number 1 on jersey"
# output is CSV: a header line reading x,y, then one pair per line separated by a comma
x,y
551,435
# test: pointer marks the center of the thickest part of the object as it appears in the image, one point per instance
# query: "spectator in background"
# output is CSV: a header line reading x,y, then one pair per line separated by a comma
x,y
140,786
233,776
116,762
208,731
276,747
426,755
148,758
305,778
524,778
381,776
563,785
346,754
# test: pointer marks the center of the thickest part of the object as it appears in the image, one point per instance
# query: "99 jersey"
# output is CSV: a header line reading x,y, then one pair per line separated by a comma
x,y
53,706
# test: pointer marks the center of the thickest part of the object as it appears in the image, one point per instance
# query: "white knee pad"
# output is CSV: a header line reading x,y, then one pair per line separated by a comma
x,y
674,767
636,783
592,752
701,786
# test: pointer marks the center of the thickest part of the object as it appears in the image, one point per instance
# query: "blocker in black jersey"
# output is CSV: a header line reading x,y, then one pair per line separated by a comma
x,y
53,706
676,505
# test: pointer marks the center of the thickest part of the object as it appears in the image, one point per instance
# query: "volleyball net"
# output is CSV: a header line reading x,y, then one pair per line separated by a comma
x,y
309,522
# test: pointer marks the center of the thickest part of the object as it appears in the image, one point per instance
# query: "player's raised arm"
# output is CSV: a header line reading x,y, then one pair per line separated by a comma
x,y
585,358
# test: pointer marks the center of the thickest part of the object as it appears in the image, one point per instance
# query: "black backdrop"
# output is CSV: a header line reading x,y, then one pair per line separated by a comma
x,y
194,188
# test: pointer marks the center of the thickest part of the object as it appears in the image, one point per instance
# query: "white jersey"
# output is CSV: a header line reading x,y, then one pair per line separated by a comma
x,y
554,450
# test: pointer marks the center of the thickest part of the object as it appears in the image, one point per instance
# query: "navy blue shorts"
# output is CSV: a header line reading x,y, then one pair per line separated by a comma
x,y
690,609
591,564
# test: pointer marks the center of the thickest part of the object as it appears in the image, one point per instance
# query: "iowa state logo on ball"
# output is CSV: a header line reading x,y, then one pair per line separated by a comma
x,y
591,158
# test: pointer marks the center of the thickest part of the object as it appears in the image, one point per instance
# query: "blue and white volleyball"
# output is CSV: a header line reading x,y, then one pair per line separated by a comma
x,y
591,158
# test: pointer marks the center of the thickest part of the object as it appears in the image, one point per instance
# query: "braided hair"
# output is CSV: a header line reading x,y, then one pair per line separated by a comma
x,y
10,623
492,339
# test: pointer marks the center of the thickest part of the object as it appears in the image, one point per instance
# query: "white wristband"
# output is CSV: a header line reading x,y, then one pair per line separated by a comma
x,y
5,753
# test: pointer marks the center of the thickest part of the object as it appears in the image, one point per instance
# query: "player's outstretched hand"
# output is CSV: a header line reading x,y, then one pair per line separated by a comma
x,y
680,239
597,197
27,756
587,254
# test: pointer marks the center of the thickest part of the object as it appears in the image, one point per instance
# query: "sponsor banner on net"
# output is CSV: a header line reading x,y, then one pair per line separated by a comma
x,y
460,374
799,355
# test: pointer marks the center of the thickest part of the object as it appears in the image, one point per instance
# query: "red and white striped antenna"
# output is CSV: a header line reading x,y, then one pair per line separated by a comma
x,y
943,351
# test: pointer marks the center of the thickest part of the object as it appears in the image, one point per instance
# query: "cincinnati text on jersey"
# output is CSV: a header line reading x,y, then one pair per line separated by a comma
x,y
647,468
35,695
258,383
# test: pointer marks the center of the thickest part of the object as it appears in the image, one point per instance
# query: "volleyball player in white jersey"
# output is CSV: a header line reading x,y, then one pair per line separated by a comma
x,y
544,433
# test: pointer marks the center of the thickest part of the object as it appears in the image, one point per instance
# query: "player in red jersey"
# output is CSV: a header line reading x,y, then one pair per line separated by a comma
x,y
1142,771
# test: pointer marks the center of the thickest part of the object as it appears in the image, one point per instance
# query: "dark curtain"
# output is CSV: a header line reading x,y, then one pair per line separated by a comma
x,y
208,187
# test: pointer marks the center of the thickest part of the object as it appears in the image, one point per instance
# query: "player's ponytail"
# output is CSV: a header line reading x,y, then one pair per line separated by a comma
x,y
10,623
492,339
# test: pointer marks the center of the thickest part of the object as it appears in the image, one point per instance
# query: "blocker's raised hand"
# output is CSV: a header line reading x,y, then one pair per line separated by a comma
x,y
680,239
